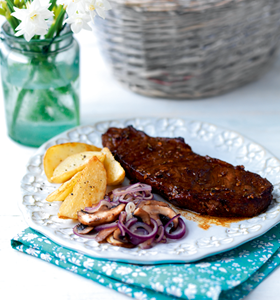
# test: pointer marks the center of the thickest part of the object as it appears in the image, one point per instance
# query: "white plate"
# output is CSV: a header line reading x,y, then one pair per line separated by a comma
x,y
204,139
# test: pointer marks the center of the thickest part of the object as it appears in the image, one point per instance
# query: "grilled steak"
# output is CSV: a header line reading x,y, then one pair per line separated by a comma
x,y
199,183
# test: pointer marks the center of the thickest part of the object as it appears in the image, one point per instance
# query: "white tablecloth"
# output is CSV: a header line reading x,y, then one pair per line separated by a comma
x,y
253,110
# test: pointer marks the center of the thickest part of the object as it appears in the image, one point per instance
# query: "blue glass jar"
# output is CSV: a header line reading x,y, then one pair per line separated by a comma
x,y
40,82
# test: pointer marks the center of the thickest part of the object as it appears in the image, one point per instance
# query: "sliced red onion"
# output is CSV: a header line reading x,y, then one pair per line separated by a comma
x,y
138,231
143,225
179,232
121,225
97,207
134,190
130,222
106,226
160,234
88,235
107,198
127,200
143,238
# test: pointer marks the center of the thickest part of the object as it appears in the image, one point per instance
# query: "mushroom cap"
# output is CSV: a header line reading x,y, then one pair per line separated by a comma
x,y
100,217
152,202
141,213
103,234
84,229
111,240
156,208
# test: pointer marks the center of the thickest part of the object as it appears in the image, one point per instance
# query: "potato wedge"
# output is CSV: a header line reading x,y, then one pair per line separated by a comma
x,y
65,189
89,190
57,153
115,172
73,164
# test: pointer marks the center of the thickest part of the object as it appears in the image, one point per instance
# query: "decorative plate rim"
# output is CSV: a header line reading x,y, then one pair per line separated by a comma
x,y
39,215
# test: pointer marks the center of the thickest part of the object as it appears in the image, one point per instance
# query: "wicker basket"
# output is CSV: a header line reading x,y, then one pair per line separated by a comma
x,y
189,48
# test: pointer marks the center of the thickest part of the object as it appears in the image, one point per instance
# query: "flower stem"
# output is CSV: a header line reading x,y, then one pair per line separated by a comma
x,y
18,105
57,25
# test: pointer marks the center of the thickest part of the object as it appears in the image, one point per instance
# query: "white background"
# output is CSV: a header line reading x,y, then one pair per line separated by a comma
x,y
253,110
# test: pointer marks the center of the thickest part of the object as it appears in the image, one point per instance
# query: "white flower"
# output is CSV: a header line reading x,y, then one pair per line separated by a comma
x,y
223,270
61,256
78,21
74,6
173,290
214,292
244,253
75,261
140,296
190,291
236,265
157,287
73,269
30,236
125,290
178,279
109,268
123,270
89,263
226,259
33,19
257,277
46,257
248,287
32,251
65,3
203,265
20,248
99,5
233,283
264,258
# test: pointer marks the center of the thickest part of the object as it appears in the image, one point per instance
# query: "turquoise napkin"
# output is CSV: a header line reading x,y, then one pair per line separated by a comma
x,y
227,276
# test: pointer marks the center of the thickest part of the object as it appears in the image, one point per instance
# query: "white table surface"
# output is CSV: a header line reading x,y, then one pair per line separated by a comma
x,y
253,110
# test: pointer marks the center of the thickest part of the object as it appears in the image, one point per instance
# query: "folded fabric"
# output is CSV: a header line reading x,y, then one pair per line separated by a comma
x,y
228,276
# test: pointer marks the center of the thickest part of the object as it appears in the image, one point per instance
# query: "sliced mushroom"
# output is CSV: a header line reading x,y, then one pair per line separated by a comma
x,y
147,244
155,210
110,239
152,202
100,217
103,234
141,213
84,229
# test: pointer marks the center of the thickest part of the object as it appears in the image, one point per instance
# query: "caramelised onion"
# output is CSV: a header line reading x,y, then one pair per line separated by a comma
x,y
106,226
130,222
179,232
122,218
93,209
133,231
129,226
137,191
160,234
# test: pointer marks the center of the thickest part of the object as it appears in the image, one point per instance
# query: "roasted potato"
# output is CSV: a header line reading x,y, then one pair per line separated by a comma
x,y
56,154
64,190
73,164
115,172
89,190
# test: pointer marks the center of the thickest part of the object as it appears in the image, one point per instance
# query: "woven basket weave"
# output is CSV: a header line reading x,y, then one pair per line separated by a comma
x,y
189,48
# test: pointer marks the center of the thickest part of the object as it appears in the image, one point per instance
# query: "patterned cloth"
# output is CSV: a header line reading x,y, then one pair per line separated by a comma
x,y
227,276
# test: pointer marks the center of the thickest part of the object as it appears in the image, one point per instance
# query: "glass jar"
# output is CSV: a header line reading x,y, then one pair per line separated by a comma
x,y
40,82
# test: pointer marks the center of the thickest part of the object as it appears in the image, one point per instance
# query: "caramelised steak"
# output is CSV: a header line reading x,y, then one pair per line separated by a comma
x,y
199,183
